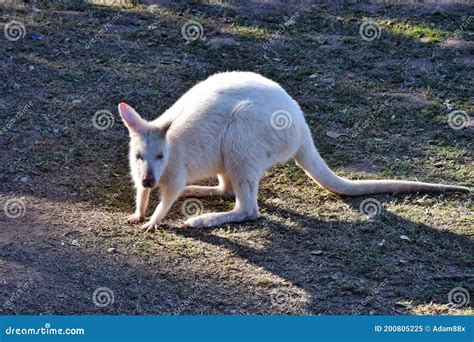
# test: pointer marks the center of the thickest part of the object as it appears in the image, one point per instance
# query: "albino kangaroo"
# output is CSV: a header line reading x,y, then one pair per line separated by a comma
x,y
234,125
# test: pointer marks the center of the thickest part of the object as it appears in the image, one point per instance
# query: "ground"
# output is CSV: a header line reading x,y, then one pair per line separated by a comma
x,y
378,106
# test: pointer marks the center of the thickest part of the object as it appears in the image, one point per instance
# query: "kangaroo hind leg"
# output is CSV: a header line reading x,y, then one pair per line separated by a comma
x,y
224,189
245,186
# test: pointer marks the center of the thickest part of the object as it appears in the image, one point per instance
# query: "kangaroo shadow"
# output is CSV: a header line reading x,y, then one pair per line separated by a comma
x,y
384,266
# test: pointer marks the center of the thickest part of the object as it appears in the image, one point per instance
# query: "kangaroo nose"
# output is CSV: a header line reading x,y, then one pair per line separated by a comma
x,y
148,181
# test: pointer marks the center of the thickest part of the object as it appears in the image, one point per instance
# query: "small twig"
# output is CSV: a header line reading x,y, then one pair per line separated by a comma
x,y
453,276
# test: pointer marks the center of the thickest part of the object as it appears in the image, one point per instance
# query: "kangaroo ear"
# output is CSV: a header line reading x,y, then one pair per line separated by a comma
x,y
164,128
131,118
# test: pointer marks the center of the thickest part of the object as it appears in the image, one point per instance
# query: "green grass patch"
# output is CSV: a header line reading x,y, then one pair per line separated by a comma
x,y
419,31
249,31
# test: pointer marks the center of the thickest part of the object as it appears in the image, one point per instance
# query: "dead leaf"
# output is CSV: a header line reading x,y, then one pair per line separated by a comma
x,y
404,237
334,134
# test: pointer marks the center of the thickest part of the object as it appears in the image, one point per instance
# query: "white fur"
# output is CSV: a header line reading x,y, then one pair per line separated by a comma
x,y
224,127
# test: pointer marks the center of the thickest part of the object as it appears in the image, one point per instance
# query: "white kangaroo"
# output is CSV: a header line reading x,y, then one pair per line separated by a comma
x,y
234,125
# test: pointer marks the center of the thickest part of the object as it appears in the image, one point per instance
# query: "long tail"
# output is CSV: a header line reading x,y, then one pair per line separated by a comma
x,y
310,160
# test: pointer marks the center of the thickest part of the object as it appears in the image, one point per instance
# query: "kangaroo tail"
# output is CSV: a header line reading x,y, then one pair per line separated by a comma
x,y
311,161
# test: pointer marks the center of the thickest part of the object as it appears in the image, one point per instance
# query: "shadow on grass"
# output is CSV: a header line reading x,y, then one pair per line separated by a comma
x,y
352,264
338,265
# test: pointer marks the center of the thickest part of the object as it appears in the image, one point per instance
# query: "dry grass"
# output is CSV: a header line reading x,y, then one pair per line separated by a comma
x,y
310,252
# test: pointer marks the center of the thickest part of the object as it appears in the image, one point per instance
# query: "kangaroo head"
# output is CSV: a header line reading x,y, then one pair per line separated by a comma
x,y
148,147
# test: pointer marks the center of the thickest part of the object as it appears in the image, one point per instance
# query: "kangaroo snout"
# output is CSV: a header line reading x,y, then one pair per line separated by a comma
x,y
148,181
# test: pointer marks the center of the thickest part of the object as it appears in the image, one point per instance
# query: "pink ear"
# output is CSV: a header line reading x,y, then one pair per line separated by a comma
x,y
130,117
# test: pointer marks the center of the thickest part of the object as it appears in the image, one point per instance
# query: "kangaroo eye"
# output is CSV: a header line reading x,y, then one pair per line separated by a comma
x,y
139,156
159,156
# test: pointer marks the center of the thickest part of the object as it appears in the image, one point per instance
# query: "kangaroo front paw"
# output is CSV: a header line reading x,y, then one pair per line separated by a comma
x,y
149,226
134,218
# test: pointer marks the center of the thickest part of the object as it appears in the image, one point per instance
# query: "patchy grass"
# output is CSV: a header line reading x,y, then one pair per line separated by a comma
x,y
312,248
428,33
245,31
